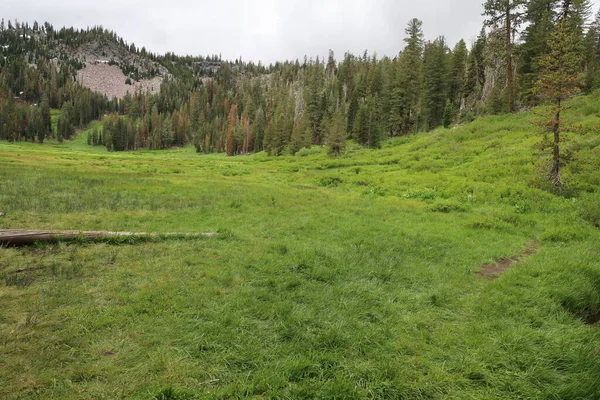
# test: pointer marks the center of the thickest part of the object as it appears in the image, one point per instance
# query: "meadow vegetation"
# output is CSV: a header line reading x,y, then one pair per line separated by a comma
x,y
351,277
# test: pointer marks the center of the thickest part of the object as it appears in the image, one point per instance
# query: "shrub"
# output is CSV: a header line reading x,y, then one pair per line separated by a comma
x,y
330,181
447,206
307,151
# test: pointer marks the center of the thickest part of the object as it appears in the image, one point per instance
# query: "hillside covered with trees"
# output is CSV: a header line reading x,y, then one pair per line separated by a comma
x,y
240,107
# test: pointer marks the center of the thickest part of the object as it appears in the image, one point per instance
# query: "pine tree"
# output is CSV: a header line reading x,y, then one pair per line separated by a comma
x,y
301,135
314,98
232,122
558,82
166,134
448,114
65,124
131,135
361,125
408,89
259,129
435,83
336,135
540,16
35,127
155,126
510,14
45,113
458,72
367,130
352,110
592,54
331,67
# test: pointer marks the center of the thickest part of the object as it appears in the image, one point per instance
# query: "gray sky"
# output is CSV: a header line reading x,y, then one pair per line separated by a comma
x,y
266,30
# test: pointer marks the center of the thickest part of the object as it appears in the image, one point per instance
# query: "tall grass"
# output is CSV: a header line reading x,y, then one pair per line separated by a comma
x,y
330,278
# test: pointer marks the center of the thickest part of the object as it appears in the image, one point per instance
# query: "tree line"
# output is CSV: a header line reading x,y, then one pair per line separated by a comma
x,y
241,107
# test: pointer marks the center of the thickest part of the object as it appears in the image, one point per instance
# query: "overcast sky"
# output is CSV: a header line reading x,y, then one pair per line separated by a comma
x,y
265,30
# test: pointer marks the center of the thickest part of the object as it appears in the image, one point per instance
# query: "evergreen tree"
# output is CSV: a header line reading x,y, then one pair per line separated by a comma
x,y
35,127
166,133
361,125
460,56
592,54
45,114
366,128
336,135
407,91
510,14
314,98
541,16
352,110
558,82
435,83
285,125
448,114
301,135
259,129
232,122
65,125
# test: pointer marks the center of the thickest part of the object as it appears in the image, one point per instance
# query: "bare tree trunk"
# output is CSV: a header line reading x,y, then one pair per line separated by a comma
x,y
556,150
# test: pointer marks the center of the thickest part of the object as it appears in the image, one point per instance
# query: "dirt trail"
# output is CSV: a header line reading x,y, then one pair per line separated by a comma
x,y
494,271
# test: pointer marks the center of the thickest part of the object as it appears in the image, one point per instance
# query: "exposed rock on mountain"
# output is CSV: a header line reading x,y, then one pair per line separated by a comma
x,y
111,82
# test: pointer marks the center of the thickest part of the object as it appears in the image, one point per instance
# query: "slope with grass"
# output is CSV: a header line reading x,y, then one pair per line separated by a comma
x,y
354,277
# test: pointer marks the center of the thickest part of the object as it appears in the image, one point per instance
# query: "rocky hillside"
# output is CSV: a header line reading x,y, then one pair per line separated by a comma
x,y
112,82
97,58
113,68
135,66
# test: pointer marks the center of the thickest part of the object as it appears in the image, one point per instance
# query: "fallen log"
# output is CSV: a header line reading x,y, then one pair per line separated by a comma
x,y
18,237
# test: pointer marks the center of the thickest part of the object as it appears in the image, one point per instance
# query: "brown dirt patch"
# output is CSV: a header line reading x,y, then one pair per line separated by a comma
x,y
494,271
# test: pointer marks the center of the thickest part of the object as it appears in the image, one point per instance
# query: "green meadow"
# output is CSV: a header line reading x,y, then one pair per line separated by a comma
x,y
328,278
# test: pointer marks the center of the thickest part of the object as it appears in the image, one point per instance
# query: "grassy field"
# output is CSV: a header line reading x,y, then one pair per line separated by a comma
x,y
347,278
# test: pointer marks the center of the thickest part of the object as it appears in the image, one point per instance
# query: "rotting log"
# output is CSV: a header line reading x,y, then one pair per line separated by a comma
x,y
19,237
